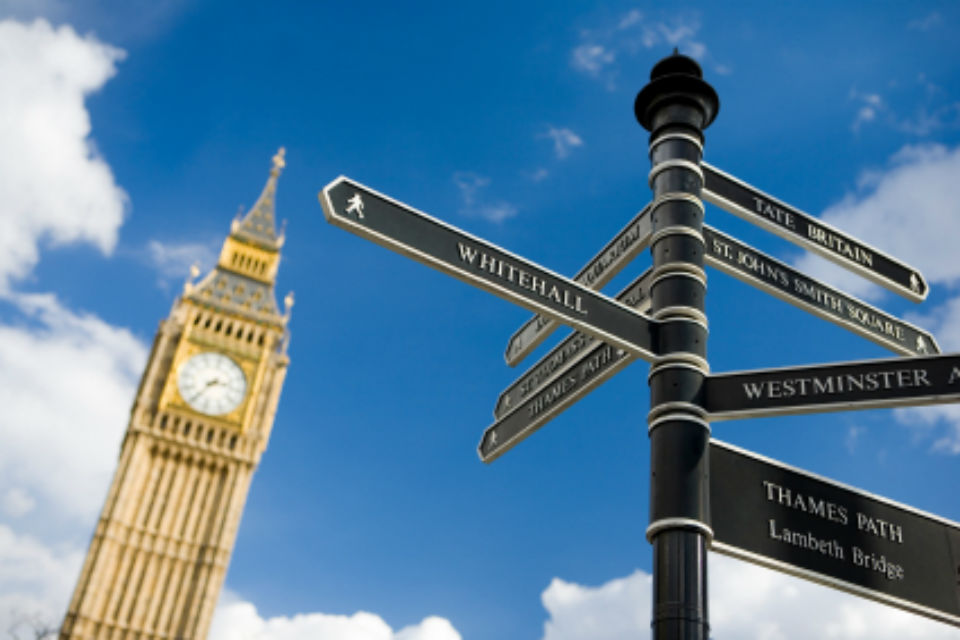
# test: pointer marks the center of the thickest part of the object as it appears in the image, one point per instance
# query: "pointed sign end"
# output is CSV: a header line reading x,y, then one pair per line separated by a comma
x,y
326,203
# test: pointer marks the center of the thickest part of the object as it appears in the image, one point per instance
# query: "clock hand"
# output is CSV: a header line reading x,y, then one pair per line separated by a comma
x,y
206,387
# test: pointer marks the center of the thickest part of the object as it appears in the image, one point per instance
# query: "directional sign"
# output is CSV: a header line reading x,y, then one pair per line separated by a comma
x,y
870,384
361,210
788,284
769,513
568,354
632,240
753,205
601,362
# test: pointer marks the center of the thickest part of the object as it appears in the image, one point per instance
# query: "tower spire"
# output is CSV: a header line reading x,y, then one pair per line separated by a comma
x,y
259,225
242,282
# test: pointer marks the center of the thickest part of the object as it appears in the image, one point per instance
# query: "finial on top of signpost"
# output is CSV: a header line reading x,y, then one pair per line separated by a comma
x,y
676,77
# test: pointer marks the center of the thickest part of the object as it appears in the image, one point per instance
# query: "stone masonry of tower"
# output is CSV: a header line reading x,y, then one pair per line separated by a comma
x,y
199,424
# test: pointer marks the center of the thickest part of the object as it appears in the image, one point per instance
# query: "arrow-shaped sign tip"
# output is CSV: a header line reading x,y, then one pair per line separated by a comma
x,y
326,203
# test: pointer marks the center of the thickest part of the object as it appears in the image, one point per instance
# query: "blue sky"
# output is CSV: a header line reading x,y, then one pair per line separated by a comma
x,y
133,131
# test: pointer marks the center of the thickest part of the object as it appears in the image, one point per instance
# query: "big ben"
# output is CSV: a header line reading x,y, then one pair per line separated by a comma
x,y
199,424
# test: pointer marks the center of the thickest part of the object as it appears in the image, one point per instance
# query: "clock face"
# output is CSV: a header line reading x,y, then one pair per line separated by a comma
x,y
211,383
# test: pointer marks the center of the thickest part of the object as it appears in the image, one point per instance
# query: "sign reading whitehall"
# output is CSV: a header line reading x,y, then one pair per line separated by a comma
x,y
767,273
897,382
793,521
753,205
396,226
632,240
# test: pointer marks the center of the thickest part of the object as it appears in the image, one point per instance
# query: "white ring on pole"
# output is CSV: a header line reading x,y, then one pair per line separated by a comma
x,y
681,313
678,523
691,361
678,270
677,230
682,317
676,196
677,406
676,136
680,360
663,165
671,417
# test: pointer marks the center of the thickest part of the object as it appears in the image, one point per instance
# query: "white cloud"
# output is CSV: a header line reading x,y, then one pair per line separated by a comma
x,y
35,582
236,619
539,175
854,434
618,609
173,261
927,22
56,187
471,186
633,32
16,502
497,212
746,601
591,58
929,113
564,140
907,210
67,382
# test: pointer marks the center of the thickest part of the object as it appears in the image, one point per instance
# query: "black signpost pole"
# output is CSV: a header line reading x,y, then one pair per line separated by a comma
x,y
675,107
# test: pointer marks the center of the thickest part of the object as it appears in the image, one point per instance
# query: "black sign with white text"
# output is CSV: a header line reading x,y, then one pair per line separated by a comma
x,y
769,513
754,267
596,366
790,223
869,384
569,353
624,247
396,226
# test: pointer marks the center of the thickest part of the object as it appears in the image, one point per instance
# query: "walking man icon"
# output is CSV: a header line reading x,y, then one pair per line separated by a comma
x,y
355,205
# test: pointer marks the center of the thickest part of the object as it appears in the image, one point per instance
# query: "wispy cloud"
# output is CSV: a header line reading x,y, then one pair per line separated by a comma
x,y
539,175
929,115
926,23
173,260
601,48
592,58
564,140
471,186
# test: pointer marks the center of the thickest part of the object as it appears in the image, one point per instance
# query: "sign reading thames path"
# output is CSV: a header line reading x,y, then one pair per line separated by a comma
x,y
758,509
797,522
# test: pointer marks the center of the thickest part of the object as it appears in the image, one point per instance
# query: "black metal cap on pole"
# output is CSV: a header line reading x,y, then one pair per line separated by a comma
x,y
676,106
676,79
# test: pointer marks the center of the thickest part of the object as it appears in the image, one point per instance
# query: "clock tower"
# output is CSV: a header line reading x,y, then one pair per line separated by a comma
x,y
200,421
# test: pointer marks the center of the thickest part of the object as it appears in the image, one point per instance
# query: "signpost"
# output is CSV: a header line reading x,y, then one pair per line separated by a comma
x,y
769,274
841,386
361,210
741,199
632,240
746,505
775,515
